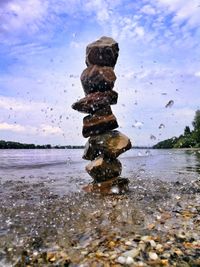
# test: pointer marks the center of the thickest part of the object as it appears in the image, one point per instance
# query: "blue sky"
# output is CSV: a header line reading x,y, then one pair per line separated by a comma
x,y
42,55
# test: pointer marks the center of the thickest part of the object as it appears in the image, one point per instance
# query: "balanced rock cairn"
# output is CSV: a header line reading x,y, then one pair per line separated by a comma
x,y
105,144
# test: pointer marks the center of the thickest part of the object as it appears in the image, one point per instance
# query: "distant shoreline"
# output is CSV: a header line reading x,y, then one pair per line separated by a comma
x,y
18,145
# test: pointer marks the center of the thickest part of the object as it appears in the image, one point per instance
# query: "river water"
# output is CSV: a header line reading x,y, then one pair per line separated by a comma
x,y
65,169
43,206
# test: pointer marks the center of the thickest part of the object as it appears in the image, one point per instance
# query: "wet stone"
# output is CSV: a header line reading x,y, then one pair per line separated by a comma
x,y
111,186
103,52
95,101
102,169
110,144
96,78
99,122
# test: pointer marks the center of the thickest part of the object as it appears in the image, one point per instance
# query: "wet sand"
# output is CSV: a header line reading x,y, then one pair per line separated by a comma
x,y
156,223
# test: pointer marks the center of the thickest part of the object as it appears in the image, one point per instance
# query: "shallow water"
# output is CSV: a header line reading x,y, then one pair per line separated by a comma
x,y
65,169
43,206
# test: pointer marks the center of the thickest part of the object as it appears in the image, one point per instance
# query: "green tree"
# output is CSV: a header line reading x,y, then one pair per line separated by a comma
x,y
196,125
187,131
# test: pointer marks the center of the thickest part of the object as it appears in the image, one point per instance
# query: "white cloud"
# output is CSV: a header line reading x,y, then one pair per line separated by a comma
x,y
149,36
148,9
39,18
19,15
42,130
50,130
11,103
183,10
139,31
32,16
28,49
197,74
12,127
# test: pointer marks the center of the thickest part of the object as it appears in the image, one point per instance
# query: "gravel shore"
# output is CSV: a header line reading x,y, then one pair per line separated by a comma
x,y
155,224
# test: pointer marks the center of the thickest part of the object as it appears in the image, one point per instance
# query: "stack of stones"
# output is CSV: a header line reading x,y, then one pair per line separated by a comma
x,y
105,144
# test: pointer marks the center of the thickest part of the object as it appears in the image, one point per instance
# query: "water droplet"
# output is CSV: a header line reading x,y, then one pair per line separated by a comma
x,y
169,104
152,137
115,190
138,124
161,126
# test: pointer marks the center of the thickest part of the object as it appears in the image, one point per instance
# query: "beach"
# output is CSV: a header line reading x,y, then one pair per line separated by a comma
x,y
47,220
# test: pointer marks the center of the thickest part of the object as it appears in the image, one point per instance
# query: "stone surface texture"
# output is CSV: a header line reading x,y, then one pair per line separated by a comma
x,y
105,144
102,169
97,79
111,186
99,122
96,101
111,144
103,52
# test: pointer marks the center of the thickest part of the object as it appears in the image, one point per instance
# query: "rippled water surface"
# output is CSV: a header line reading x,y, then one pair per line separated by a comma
x,y
43,206
66,169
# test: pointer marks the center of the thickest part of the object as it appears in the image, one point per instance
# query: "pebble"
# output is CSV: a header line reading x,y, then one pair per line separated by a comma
x,y
146,238
112,244
140,264
153,256
129,260
166,255
128,243
121,260
152,243
159,248
113,257
174,245
132,253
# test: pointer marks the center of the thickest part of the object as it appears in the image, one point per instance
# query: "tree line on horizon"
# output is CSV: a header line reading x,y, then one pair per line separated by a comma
x,y
189,139
17,145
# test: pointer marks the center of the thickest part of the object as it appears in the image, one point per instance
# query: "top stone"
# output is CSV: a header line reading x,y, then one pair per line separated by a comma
x,y
103,52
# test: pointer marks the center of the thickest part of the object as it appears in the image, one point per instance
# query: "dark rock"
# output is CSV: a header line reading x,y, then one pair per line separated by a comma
x,y
102,169
110,144
112,186
96,101
100,122
96,78
103,52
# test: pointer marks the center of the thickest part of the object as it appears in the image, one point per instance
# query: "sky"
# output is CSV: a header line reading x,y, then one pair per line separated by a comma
x,y
42,55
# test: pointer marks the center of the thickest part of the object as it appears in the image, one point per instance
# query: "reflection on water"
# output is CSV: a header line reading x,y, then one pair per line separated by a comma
x,y
193,161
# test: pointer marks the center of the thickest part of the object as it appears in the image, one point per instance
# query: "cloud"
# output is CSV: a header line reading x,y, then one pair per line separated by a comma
x,y
197,74
25,16
49,130
33,17
12,127
100,8
183,10
42,130
44,62
148,9
158,21
11,103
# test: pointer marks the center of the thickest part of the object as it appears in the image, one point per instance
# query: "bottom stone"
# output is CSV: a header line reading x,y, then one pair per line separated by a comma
x,y
102,169
112,186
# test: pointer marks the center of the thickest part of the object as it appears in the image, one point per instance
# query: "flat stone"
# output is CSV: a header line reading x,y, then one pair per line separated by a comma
x,y
96,78
112,186
100,122
102,169
103,52
110,144
96,101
